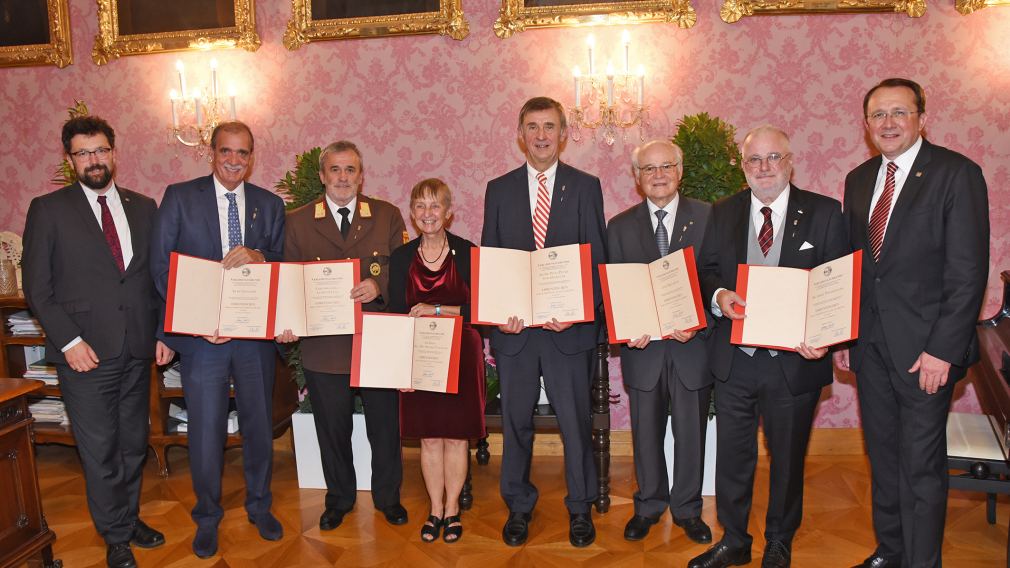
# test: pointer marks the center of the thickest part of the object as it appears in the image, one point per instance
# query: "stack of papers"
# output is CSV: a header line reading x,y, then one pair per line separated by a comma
x,y
42,371
22,323
49,410
172,376
180,420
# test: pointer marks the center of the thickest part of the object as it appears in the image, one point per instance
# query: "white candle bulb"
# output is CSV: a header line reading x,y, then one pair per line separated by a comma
x,y
591,43
172,95
196,108
213,77
182,77
626,40
610,84
231,95
641,86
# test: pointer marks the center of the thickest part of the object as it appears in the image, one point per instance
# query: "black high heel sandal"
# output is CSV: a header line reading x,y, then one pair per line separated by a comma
x,y
429,532
455,532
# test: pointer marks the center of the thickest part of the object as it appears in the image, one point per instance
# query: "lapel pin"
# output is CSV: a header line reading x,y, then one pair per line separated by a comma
x,y
255,211
918,174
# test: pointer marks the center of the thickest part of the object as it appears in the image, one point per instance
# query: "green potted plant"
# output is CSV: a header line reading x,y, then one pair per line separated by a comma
x,y
711,157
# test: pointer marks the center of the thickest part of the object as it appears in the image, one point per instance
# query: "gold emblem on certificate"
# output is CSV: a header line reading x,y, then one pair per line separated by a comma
x,y
375,269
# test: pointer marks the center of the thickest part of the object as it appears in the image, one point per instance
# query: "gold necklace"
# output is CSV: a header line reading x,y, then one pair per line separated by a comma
x,y
420,250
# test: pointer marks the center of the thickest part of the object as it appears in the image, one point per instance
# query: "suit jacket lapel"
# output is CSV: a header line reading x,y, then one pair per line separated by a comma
x,y
741,225
140,245
326,226
92,227
862,198
684,225
361,225
523,217
794,228
207,205
646,236
559,203
252,218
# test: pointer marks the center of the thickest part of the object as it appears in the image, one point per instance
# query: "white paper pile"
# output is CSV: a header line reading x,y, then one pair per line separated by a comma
x,y
173,376
42,371
22,323
182,425
49,410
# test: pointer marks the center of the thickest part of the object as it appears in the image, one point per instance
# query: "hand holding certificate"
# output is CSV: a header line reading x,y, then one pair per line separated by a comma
x,y
403,352
789,306
536,287
652,299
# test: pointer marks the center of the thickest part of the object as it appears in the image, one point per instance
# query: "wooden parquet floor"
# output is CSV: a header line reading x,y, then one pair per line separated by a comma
x,y
836,531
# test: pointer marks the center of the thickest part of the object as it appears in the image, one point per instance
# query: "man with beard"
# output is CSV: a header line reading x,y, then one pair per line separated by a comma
x,y
222,217
86,278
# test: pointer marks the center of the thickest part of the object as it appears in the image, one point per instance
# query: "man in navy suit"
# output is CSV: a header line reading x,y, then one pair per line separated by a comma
x,y
546,203
221,217
772,223
920,214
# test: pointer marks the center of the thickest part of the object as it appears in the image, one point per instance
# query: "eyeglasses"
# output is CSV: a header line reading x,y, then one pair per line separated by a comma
x,y
228,153
100,153
651,170
772,159
897,115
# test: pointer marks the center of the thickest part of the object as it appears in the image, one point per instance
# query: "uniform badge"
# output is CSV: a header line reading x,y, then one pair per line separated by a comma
x,y
374,269
406,237
320,210
364,210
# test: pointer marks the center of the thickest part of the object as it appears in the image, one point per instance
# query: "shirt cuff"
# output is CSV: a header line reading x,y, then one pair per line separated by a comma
x,y
72,343
714,308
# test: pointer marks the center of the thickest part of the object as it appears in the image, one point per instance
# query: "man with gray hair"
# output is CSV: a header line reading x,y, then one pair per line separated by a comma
x,y
667,373
772,223
343,223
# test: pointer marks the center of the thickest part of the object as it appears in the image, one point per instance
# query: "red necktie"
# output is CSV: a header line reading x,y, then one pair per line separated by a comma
x,y
542,213
878,220
111,236
765,236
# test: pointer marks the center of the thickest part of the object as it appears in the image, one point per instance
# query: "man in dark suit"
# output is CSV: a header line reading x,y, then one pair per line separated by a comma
x,y
346,224
221,217
668,377
86,278
920,214
546,203
773,223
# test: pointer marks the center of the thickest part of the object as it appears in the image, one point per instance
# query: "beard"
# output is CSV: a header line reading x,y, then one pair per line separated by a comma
x,y
96,177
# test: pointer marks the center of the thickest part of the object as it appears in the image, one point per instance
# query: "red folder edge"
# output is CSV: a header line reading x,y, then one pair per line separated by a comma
x,y
857,284
586,255
452,384
475,288
742,272
275,276
608,308
356,360
692,271
173,267
357,305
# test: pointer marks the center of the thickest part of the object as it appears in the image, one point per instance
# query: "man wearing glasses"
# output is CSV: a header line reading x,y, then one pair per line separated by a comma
x,y
664,377
86,278
772,223
222,217
920,214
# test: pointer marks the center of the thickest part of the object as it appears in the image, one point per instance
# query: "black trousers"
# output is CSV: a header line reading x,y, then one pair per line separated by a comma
x,y
906,438
109,415
688,411
567,380
757,389
332,409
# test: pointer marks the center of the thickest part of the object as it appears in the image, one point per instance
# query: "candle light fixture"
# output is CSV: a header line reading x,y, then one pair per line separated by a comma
x,y
610,101
197,111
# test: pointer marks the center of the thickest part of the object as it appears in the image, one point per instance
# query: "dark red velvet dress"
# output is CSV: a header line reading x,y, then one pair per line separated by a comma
x,y
458,416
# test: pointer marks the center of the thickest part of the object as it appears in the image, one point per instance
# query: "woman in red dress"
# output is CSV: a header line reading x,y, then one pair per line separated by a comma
x,y
430,275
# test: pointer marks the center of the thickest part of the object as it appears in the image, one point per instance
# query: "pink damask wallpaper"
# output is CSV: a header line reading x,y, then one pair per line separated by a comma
x,y
430,106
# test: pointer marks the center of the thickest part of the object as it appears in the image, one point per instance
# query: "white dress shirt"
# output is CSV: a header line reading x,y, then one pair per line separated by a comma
x,y
671,214
904,163
534,184
222,211
352,206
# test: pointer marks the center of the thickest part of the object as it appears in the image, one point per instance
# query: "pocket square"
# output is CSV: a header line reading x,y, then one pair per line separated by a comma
x,y
806,246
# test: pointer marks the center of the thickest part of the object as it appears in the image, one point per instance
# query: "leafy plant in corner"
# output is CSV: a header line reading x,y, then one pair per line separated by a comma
x,y
711,157
64,173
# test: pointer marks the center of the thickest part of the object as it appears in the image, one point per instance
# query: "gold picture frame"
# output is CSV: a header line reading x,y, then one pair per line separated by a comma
x,y
53,46
734,10
302,28
116,38
966,7
517,15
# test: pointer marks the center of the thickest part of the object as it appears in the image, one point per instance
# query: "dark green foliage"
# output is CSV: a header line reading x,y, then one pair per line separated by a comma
x,y
302,185
711,158
64,173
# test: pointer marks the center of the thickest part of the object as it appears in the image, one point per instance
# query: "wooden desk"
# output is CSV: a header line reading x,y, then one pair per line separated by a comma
x,y
23,529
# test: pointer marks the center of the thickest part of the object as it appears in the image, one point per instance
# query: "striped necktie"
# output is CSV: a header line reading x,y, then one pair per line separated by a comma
x,y
542,213
878,220
234,227
662,237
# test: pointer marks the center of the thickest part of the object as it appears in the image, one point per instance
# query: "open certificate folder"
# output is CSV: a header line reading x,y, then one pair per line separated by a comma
x,y
652,299
397,351
203,298
787,306
314,298
538,286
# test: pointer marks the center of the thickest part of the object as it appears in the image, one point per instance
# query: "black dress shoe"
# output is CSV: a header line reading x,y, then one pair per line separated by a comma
x,y
720,556
146,537
777,555
205,542
331,518
695,529
268,526
638,527
395,514
877,561
581,531
120,556
516,529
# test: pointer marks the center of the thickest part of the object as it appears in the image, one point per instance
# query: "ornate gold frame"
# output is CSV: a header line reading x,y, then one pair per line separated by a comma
x,y
733,10
110,44
448,20
514,17
968,6
57,52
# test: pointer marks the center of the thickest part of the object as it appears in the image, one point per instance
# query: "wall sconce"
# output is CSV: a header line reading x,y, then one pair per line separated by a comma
x,y
195,113
612,100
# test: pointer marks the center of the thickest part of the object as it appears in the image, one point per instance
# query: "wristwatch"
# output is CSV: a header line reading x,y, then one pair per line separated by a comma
x,y
438,309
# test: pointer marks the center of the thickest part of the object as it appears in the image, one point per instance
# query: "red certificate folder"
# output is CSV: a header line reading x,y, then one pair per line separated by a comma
x,y
787,306
508,282
203,298
313,298
652,299
403,352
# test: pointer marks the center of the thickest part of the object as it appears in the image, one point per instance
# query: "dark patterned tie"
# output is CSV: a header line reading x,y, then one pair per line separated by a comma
x,y
111,236
765,237
662,237
345,222
878,220
234,227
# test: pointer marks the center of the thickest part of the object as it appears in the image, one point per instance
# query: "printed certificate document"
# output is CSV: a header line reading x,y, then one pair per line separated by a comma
x,y
204,297
652,299
314,298
397,351
787,306
536,286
